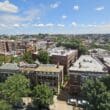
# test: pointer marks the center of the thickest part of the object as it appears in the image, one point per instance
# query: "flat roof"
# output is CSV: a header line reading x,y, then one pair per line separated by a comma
x,y
49,68
87,63
9,66
107,61
60,51
44,68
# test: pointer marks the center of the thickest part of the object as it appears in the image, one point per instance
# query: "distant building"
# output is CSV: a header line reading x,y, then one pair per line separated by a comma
x,y
98,52
7,47
106,61
63,57
8,69
49,74
85,67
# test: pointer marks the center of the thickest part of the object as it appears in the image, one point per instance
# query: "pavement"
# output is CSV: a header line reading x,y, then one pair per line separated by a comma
x,y
62,105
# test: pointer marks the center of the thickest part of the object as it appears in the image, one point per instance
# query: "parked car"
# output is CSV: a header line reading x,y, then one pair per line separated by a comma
x,y
71,101
82,103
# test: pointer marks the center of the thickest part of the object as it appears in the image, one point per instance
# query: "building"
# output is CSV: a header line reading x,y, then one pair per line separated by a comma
x,y
49,74
8,69
106,61
63,57
7,46
85,67
98,52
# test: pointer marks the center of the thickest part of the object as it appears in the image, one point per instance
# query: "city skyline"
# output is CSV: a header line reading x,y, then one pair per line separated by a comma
x,y
54,16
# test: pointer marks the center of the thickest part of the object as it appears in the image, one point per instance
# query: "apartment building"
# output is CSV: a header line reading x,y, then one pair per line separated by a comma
x,y
98,52
7,46
63,57
7,70
49,74
85,67
106,61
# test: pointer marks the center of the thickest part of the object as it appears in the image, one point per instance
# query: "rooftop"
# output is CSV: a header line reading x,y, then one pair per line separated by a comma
x,y
44,68
49,68
60,51
9,66
99,52
87,63
107,61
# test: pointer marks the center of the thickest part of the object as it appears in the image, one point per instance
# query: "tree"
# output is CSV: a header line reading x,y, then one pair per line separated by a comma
x,y
14,88
4,105
43,56
42,95
106,81
28,57
94,91
74,44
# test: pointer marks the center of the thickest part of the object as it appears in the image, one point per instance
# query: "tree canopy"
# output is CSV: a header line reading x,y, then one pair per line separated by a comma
x,y
42,95
14,88
4,105
95,92
28,57
43,56
73,44
106,81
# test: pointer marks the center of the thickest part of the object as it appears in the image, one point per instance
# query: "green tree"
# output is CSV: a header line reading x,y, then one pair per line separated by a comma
x,y
74,44
28,57
43,56
106,81
14,88
4,105
94,91
42,95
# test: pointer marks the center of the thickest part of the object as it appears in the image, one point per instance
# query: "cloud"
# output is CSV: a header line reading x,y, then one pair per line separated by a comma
x,y
3,25
43,25
64,17
39,25
55,5
100,8
76,7
74,24
27,16
6,6
32,14
49,25
9,19
61,25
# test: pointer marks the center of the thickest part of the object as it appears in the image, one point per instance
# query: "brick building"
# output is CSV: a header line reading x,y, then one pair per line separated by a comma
x,y
63,57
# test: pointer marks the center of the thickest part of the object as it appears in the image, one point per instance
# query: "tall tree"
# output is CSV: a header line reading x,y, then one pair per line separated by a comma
x,y
14,88
43,56
4,105
106,81
42,95
94,91
28,57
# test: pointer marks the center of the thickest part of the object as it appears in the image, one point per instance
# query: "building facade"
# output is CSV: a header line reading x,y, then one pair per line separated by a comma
x,y
7,70
63,57
84,68
49,74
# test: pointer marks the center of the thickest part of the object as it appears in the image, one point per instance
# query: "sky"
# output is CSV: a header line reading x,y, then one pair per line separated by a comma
x,y
54,16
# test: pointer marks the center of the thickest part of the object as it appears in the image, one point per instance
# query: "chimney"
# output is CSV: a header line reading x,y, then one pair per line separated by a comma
x,y
57,64
79,65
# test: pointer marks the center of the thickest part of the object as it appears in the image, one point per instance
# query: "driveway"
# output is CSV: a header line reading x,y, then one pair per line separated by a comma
x,y
60,105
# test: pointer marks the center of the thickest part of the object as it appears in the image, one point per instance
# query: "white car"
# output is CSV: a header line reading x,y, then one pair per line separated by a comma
x,y
71,101
82,102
